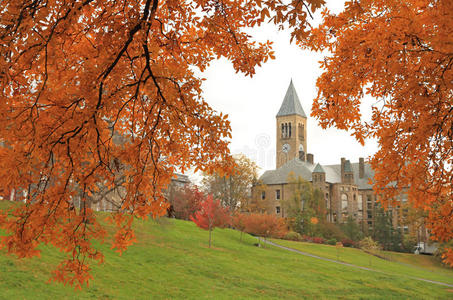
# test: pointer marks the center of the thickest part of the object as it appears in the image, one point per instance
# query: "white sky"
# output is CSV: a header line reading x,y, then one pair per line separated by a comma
x,y
252,103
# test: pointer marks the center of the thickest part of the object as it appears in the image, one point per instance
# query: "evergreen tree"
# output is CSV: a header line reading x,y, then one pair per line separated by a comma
x,y
352,230
389,237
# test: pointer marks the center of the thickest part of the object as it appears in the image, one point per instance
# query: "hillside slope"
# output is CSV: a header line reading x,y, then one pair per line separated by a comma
x,y
172,260
402,264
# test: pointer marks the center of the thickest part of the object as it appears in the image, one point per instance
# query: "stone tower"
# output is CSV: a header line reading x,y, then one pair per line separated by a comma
x,y
291,129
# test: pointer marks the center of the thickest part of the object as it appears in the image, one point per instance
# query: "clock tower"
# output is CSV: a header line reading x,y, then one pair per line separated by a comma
x,y
291,129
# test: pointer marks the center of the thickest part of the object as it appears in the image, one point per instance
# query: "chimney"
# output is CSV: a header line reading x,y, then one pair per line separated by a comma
x,y
343,160
361,167
310,158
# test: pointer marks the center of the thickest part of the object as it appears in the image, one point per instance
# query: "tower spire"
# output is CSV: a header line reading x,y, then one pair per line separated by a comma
x,y
291,104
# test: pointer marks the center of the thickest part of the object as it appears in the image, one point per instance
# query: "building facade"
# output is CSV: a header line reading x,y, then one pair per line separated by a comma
x,y
112,199
345,186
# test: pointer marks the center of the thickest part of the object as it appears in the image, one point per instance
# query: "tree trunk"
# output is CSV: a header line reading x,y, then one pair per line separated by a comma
x,y
232,208
210,237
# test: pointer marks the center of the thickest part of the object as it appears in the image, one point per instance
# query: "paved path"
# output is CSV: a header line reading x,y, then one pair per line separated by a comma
x,y
351,265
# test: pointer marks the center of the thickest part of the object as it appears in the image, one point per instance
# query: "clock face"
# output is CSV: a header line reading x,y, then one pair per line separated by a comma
x,y
286,148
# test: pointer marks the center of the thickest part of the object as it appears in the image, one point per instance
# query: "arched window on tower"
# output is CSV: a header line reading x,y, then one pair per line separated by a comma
x,y
289,130
283,130
286,130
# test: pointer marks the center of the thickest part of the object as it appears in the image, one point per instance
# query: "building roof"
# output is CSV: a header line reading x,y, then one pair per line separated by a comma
x,y
318,169
181,178
347,167
291,104
304,169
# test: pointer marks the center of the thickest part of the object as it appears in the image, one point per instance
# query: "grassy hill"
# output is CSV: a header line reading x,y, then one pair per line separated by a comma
x,y
394,263
172,260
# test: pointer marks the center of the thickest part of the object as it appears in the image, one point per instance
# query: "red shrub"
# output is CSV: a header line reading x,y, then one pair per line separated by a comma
x,y
348,243
318,240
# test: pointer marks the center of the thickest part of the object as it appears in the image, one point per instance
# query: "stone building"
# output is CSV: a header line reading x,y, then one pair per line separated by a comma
x,y
110,200
345,186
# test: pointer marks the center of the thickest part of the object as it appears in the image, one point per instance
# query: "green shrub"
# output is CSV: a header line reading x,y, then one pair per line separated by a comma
x,y
330,231
332,242
292,236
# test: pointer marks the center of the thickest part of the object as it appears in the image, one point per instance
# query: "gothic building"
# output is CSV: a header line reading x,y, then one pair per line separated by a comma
x,y
345,186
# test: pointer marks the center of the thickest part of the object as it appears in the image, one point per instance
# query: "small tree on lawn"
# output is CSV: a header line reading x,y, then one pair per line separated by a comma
x,y
211,215
369,246
238,222
264,225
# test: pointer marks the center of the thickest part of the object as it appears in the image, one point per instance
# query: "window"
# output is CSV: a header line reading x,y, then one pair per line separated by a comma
x,y
301,152
277,194
404,198
289,130
263,195
283,130
359,203
277,209
301,132
344,202
359,215
406,229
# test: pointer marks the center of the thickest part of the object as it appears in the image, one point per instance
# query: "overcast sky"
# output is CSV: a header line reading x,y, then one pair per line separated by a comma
x,y
252,103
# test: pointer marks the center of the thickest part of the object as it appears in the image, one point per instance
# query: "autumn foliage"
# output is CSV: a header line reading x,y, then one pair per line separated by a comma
x,y
186,201
101,92
233,190
264,225
401,54
211,215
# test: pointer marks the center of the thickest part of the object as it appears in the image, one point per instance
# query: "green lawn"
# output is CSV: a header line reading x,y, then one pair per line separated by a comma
x,y
172,260
403,264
